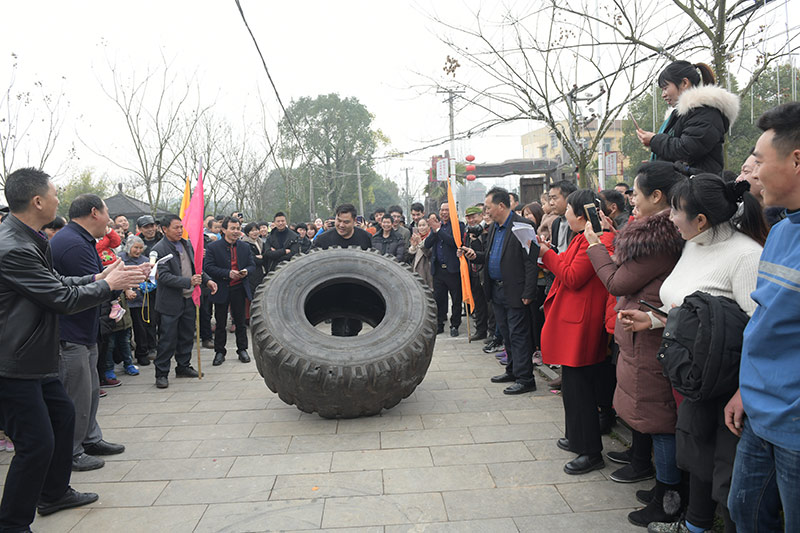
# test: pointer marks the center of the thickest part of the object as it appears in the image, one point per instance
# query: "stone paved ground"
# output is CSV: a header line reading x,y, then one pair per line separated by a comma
x,y
225,454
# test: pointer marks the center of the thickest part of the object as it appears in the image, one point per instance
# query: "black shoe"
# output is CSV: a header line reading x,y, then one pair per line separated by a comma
x,y
621,458
208,343
102,447
143,361
664,507
493,347
454,332
519,388
187,372
503,378
440,329
84,463
478,337
645,496
219,358
628,474
71,498
243,357
563,443
162,382
583,464
607,420
489,340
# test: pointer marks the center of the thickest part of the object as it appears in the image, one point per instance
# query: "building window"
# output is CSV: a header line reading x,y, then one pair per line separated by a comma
x,y
543,152
553,141
606,144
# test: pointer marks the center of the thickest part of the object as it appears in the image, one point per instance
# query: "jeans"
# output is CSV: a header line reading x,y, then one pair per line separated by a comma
x,y
665,458
764,475
40,420
119,339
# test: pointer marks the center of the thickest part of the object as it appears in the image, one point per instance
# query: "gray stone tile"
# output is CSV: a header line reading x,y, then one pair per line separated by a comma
x,y
379,423
246,446
421,408
201,396
142,451
300,427
335,443
467,383
495,525
425,437
327,485
503,503
261,516
455,374
502,452
209,431
232,405
528,473
601,495
264,415
497,404
368,529
224,490
383,510
532,416
462,420
547,449
270,465
380,459
151,408
170,469
61,522
124,493
436,479
112,471
179,419
126,435
432,384
180,519
515,432
616,521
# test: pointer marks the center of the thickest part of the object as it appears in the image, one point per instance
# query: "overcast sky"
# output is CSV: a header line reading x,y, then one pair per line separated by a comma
x,y
381,52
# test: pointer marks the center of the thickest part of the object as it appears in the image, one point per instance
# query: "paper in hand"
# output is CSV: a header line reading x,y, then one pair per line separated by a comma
x,y
155,267
524,234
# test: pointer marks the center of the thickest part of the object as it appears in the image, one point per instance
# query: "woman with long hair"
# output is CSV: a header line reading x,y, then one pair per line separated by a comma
x,y
720,258
645,252
694,133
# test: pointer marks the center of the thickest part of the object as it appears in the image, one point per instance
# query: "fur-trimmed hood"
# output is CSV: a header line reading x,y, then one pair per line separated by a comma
x,y
711,96
645,237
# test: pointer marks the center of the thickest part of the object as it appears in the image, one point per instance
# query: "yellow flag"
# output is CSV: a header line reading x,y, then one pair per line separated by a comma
x,y
187,196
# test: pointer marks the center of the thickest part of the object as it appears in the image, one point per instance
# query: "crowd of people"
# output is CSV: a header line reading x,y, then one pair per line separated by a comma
x,y
671,304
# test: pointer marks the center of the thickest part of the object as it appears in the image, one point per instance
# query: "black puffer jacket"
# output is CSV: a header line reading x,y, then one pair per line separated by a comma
x,y
695,132
393,245
32,295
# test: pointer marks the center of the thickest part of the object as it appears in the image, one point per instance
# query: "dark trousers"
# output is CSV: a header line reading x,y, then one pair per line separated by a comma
x,y
236,300
579,390
143,333
443,283
481,306
40,419
176,339
537,317
515,327
345,327
205,316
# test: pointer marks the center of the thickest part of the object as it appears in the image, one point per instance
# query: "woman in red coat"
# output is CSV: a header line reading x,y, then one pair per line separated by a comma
x,y
574,335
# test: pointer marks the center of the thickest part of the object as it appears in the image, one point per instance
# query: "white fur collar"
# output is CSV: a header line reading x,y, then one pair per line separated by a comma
x,y
711,96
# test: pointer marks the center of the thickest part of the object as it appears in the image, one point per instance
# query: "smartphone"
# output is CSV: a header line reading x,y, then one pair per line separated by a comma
x,y
630,115
591,215
653,308
359,219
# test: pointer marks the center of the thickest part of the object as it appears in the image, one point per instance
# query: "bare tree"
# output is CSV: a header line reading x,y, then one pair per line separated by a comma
x,y
30,124
246,168
161,114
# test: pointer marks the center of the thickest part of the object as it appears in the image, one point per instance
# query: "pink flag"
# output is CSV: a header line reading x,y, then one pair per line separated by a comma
x,y
193,225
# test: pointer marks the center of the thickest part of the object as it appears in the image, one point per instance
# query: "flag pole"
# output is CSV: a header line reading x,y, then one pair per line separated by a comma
x,y
469,335
197,329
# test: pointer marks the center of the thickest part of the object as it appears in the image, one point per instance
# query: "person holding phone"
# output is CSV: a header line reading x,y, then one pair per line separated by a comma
x,y
645,252
720,258
574,334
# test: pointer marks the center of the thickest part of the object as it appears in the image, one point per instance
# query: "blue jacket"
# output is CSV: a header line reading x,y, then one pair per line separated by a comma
x,y
217,264
446,254
769,374
74,254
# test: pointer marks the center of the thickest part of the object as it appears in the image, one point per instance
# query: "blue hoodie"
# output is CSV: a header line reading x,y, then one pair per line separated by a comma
x,y
770,368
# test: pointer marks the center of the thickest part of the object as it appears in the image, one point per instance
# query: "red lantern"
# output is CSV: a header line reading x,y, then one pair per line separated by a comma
x,y
470,177
470,168
470,158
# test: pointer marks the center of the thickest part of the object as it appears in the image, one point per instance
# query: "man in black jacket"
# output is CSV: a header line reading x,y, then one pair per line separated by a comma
x,y
473,239
561,234
510,281
176,280
445,269
37,414
228,262
282,243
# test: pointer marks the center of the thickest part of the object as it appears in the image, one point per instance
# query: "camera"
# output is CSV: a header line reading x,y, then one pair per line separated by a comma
x,y
476,230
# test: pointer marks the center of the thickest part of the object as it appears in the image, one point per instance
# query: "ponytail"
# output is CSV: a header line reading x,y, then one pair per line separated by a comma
x,y
750,219
696,73
706,73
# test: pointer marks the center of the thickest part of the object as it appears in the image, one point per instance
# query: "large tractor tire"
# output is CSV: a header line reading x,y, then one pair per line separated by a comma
x,y
343,377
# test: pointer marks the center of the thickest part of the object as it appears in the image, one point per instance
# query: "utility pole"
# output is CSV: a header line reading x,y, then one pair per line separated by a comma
x,y
360,194
452,166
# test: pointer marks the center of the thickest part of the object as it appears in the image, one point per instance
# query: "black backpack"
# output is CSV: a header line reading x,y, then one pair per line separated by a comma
x,y
702,345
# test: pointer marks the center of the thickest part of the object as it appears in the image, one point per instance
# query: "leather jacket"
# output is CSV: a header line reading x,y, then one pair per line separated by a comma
x,y
32,295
